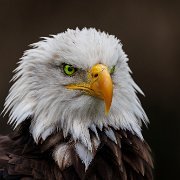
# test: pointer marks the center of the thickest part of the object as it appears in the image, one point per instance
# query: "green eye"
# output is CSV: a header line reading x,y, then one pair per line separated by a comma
x,y
69,69
112,70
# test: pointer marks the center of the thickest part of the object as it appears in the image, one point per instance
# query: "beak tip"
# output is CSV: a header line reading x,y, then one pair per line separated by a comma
x,y
107,111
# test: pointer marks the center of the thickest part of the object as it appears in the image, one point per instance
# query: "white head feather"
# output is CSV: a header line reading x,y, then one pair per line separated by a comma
x,y
39,92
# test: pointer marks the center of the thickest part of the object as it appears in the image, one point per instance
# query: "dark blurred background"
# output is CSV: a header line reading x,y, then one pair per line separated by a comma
x,y
150,32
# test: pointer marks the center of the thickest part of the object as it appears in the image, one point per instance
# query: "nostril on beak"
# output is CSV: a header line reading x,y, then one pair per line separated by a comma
x,y
94,75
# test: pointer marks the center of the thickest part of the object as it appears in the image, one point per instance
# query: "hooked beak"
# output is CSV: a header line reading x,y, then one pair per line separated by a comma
x,y
99,85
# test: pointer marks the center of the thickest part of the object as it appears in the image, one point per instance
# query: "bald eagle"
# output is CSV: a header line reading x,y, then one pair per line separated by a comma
x,y
75,112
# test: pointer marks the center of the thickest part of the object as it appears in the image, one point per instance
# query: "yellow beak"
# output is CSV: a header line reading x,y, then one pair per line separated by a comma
x,y
99,84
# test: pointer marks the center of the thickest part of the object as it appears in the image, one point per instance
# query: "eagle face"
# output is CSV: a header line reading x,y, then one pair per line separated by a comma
x,y
75,81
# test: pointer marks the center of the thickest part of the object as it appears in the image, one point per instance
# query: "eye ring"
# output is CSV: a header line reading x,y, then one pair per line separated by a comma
x,y
68,69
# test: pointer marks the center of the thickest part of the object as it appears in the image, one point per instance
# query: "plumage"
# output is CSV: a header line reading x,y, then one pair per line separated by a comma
x,y
129,157
75,112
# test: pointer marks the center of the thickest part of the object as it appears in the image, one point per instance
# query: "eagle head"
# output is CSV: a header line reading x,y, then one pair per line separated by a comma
x,y
75,82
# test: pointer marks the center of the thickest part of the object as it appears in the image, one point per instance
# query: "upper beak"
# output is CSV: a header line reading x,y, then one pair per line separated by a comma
x,y
99,84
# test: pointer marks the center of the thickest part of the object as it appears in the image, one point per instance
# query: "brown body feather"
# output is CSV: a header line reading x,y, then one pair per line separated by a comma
x,y
21,158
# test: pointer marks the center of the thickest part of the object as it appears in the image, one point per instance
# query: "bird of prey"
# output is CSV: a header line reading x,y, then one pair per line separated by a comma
x,y
75,112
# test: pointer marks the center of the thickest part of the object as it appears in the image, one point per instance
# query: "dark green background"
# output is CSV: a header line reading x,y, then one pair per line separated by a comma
x,y
150,32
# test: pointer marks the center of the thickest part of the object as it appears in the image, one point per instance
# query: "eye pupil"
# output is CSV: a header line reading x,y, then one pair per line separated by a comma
x,y
70,68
